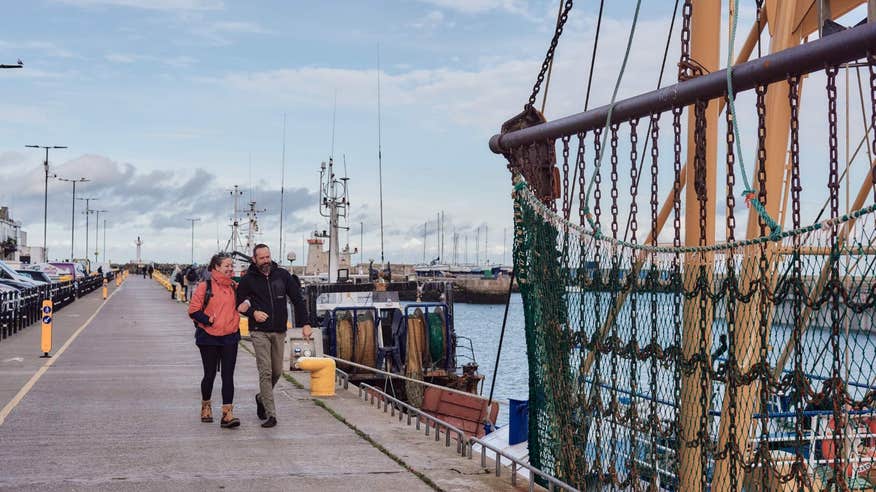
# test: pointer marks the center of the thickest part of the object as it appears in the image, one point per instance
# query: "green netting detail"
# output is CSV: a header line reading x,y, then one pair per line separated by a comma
x,y
613,385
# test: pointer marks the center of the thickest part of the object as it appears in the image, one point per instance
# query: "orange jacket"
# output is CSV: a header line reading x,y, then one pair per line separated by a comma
x,y
222,306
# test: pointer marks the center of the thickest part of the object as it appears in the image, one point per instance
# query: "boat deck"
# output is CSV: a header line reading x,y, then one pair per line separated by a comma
x,y
117,408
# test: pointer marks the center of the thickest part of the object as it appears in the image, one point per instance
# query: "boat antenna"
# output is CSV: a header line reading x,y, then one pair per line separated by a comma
x,y
283,189
250,176
379,154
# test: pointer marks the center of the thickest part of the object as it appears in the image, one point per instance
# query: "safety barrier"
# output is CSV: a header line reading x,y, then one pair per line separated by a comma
x,y
417,417
20,309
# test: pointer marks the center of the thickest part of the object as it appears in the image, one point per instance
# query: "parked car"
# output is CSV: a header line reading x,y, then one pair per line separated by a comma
x,y
7,273
35,275
51,271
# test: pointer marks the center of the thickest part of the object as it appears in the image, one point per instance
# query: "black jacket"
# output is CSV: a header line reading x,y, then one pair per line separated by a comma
x,y
268,294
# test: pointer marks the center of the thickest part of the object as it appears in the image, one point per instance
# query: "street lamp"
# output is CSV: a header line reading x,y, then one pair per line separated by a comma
x,y
73,217
97,231
87,213
46,168
193,236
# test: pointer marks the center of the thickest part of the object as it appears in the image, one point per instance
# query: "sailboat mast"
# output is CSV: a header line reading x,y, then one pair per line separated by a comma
x,y
379,155
282,190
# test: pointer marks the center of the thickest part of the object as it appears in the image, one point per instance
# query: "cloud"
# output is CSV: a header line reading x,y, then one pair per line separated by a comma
x,y
481,6
169,5
130,58
152,204
431,21
43,48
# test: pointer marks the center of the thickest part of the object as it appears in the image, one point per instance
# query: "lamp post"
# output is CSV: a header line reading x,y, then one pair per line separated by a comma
x,y
73,216
104,240
46,169
193,220
97,231
87,212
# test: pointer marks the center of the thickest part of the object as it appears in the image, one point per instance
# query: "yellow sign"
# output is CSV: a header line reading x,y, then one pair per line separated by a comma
x,y
46,334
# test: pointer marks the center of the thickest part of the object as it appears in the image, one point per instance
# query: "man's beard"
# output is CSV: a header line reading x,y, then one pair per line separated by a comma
x,y
265,268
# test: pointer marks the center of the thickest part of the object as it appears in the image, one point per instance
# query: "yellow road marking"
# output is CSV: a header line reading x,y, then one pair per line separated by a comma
x,y
37,375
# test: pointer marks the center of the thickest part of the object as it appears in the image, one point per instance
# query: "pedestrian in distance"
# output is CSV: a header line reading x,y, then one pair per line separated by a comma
x,y
175,277
191,281
213,310
262,295
151,269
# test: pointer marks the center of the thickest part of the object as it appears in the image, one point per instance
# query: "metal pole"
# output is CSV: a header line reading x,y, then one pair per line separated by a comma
x,y
282,192
836,49
73,213
46,189
104,240
193,220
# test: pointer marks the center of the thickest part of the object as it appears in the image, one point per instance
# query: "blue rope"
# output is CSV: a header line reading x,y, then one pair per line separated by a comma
x,y
749,192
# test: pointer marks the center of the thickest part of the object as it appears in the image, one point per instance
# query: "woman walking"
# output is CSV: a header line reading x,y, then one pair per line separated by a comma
x,y
217,334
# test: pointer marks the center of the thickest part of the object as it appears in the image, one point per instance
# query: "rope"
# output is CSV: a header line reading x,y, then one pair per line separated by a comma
x,y
620,76
405,378
749,193
524,193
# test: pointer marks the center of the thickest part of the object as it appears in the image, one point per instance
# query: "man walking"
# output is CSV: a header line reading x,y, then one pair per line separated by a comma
x,y
261,296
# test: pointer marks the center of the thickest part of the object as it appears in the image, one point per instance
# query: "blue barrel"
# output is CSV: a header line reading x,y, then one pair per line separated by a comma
x,y
519,421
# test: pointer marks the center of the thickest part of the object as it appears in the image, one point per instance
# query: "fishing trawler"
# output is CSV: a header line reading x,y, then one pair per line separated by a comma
x,y
734,361
380,340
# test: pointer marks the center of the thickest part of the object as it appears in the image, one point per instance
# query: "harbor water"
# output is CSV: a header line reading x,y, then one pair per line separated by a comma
x,y
482,323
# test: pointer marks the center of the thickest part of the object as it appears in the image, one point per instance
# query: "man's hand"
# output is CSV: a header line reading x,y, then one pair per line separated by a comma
x,y
307,332
260,316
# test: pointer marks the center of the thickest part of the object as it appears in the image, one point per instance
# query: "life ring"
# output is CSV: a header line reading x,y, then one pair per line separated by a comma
x,y
862,451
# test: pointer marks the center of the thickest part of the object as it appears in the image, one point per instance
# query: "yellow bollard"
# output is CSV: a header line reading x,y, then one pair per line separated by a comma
x,y
322,375
244,326
46,333
118,280
104,289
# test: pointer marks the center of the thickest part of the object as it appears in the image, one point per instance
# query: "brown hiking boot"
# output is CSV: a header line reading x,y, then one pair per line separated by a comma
x,y
206,411
228,419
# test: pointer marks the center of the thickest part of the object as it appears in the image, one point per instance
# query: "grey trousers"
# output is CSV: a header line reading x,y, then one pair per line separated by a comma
x,y
269,360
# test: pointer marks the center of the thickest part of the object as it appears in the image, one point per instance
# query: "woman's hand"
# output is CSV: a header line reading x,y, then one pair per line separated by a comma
x,y
212,319
243,307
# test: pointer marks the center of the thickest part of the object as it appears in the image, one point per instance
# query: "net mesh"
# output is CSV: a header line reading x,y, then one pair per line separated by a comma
x,y
744,364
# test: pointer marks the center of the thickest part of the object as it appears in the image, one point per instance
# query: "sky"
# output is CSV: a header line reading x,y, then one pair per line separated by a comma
x,y
165,105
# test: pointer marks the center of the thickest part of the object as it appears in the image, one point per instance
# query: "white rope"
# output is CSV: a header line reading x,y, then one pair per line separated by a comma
x,y
399,376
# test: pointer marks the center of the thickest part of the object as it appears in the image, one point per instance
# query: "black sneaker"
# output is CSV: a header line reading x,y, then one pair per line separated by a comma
x,y
270,422
260,409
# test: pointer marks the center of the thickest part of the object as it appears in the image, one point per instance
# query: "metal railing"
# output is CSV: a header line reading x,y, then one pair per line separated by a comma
x,y
22,308
464,447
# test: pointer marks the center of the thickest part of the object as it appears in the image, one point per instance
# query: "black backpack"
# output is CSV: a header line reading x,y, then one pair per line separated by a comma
x,y
208,293
191,275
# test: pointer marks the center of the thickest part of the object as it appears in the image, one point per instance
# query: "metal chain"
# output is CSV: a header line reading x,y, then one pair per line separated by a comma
x,y
580,162
684,66
652,288
731,368
567,205
871,64
634,294
549,56
614,176
796,188
676,274
702,198
763,453
760,90
833,188
597,303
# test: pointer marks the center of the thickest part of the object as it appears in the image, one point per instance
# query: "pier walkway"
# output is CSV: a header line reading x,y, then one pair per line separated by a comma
x,y
117,408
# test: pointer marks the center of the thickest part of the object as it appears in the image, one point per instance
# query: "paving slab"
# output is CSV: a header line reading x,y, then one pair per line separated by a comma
x,y
119,410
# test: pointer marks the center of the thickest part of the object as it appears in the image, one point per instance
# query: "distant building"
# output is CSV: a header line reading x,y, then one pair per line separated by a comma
x,y
13,241
318,259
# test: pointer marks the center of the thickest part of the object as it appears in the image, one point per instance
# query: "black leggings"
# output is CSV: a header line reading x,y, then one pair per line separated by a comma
x,y
210,356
